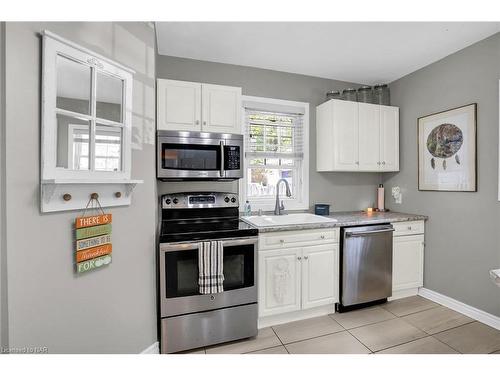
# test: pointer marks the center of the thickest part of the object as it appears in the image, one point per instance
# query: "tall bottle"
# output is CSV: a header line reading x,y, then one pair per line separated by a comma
x,y
247,211
381,198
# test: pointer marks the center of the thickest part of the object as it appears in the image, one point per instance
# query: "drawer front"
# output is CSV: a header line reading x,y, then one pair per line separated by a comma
x,y
408,228
278,240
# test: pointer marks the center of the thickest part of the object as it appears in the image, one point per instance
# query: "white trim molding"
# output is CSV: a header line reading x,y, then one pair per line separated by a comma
x,y
154,348
288,106
472,312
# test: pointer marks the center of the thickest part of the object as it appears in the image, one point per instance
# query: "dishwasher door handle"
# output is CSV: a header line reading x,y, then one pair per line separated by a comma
x,y
368,232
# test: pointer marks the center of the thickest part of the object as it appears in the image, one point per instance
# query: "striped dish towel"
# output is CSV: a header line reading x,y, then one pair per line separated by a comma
x,y
210,266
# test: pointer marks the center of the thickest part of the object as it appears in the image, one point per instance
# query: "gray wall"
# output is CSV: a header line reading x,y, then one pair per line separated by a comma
x,y
345,191
462,234
3,251
112,310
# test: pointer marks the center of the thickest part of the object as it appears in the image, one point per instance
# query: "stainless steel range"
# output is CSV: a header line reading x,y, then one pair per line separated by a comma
x,y
189,319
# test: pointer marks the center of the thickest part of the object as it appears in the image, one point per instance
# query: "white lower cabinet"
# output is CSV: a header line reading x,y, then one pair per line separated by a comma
x,y
279,281
300,277
319,279
408,257
408,262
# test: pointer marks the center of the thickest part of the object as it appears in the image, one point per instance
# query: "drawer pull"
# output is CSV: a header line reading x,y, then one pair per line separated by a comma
x,y
282,241
322,237
299,258
409,227
306,257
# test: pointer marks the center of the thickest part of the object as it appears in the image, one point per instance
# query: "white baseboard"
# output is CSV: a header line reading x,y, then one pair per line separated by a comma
x,y
398,294
272,320
154,348
479,315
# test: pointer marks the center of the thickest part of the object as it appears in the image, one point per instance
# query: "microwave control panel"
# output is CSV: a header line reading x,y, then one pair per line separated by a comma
x,y
232,158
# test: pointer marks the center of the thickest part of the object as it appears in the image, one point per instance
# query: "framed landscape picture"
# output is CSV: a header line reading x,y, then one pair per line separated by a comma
x,y
447,150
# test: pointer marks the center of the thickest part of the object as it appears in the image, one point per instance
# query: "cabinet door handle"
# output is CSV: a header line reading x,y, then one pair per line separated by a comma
x,y
409,227
383,163
204,123
322,237
197,122
357,163
306,257
299,258
282,241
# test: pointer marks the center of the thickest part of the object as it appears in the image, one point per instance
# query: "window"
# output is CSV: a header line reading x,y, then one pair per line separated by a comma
x,y
276,147
86,114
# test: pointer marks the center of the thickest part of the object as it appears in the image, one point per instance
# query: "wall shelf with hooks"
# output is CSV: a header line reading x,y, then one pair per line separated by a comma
x,y
73,194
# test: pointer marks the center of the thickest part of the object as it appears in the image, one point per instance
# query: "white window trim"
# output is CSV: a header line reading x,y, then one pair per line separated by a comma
x,y
267,204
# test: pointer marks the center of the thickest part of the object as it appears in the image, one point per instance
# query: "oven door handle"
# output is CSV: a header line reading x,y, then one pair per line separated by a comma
x,y
166,247
222,173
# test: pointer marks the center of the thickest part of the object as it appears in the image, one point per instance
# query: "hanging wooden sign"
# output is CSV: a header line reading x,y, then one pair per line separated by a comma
x,y
93,242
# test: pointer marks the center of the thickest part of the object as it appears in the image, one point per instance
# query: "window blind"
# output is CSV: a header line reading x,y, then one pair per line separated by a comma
x,y
274,135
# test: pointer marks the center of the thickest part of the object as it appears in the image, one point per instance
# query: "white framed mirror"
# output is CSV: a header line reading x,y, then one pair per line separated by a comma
x,y
86,122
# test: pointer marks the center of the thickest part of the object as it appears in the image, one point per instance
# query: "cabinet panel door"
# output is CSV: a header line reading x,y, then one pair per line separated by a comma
x,y
408,262
369,134
279,281
325,159
345,135
179,105
389,138
320,275
221,109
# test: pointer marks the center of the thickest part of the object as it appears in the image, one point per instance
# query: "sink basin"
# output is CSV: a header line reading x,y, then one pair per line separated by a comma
x,y
283,220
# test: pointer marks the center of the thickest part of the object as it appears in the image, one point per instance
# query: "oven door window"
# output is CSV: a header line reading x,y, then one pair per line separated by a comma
x,y
181,269
190,157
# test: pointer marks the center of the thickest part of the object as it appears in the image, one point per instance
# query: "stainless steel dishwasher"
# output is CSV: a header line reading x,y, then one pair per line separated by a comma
x,y
366,266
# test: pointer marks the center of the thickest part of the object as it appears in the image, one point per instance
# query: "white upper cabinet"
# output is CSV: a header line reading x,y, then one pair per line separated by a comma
x,y
369,133
346,146
354,136
194,106
389,138
221,108
179,105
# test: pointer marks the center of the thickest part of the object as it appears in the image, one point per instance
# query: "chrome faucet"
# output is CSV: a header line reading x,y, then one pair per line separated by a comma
x,y
280,208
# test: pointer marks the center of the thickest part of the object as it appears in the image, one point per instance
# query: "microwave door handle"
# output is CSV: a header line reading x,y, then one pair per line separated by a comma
x,y
222,173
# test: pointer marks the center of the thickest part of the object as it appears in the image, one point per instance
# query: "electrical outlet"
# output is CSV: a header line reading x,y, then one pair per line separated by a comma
x,y
397,195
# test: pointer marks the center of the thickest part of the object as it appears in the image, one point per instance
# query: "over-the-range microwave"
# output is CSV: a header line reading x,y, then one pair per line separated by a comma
x,y
184,155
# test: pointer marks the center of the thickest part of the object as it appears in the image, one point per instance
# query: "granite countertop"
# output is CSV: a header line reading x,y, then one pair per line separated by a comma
x,y
349,218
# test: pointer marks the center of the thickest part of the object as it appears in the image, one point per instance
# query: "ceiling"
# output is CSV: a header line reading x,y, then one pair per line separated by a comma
x,y
361,52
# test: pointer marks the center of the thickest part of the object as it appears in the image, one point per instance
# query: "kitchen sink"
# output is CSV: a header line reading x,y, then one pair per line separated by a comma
x,y
289,219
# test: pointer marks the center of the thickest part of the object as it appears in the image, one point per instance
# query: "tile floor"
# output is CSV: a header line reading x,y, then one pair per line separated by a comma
x,y
412,325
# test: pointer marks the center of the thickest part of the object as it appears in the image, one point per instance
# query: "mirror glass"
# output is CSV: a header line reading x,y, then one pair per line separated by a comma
x,y
109,97
72,143
73,85
108,148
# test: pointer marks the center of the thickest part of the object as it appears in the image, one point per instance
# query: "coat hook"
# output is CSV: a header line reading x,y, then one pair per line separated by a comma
x,y
67,197
118,194
94,196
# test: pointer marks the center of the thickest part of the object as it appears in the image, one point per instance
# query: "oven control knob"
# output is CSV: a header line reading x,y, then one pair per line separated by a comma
x,y
175,201
168,201
233,200
226,199
212,298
